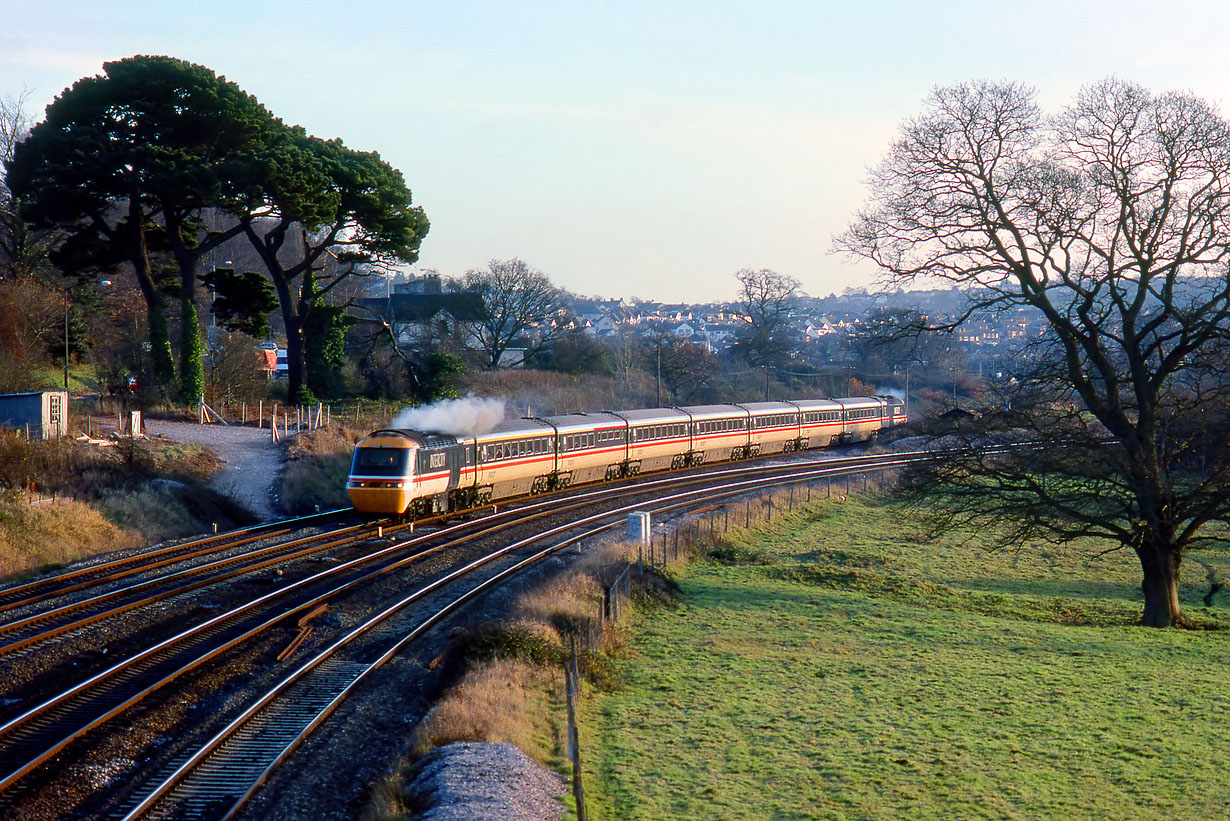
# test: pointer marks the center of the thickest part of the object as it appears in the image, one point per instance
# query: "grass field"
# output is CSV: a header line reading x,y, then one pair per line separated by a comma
x,y
853,669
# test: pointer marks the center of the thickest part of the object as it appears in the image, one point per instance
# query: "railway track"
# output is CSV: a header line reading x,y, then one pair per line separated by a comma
x,y
40,734
40,590
45,624
217,778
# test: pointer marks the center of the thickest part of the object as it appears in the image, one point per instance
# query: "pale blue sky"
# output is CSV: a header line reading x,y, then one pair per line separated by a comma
x,y
637,148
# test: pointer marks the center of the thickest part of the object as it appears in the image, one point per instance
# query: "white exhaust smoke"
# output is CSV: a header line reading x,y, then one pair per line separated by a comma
x,y
471,416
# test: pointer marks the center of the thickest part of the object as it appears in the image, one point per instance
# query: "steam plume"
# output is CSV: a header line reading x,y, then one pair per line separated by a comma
x,y
471,416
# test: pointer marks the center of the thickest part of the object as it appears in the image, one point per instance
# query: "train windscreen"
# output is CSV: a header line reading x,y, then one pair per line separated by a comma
x,y
379,461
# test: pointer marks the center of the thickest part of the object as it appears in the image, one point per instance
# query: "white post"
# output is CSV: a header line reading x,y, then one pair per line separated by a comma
x,y
639,527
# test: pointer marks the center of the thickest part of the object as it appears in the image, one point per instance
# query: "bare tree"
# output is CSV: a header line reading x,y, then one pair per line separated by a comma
x,y
1111,221
768,299
520,304
20,247
687,371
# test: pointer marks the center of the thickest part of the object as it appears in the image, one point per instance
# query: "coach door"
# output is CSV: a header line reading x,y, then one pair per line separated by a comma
x,y
454,459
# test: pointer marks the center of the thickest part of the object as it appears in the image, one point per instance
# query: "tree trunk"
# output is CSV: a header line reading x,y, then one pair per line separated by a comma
x,y
191,348
191,352
1160,586
293,320
161,359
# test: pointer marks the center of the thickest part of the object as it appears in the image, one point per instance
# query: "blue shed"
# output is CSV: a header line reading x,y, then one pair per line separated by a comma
x,y
44,414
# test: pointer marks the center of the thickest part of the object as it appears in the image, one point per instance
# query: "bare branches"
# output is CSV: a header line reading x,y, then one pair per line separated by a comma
x,y
1112,220
768,300
517,299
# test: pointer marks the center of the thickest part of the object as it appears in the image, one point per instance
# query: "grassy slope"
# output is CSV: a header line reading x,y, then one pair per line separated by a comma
x,y
107,499
868,673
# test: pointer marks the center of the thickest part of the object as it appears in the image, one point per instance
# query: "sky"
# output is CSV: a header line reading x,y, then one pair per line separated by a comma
x,y
645,148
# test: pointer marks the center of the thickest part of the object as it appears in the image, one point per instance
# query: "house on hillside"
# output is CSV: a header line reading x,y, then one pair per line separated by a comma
x,y
421,314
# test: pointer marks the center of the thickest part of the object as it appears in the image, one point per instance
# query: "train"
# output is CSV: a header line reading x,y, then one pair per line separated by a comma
x,y
397,472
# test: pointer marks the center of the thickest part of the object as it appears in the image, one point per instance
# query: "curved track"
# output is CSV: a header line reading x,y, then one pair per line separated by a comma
x,y
42,733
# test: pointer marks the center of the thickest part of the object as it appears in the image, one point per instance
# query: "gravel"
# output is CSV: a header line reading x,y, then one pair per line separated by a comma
x,y
468,780
251,460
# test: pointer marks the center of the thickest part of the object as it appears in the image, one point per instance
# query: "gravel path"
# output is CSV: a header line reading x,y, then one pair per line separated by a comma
x,y
251,460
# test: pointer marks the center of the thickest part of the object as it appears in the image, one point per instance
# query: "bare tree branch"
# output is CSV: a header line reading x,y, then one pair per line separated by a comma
x,y
1111,221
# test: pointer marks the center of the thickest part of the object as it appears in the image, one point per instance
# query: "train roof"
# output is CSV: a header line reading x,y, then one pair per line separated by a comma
x,y
396,437
712,411
862,402
655,415
818,404
765,408
571,422
515,429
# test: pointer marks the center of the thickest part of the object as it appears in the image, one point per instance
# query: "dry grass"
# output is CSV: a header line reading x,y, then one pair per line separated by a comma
x,y
53,533
512,685
384,800
317,463
503,700
107,498
161,509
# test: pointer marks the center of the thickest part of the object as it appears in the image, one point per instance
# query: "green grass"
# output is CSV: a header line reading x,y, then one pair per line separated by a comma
x,y
863,672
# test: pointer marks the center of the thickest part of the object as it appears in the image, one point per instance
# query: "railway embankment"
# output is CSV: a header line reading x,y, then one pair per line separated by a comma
x,y
508,670
61,501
